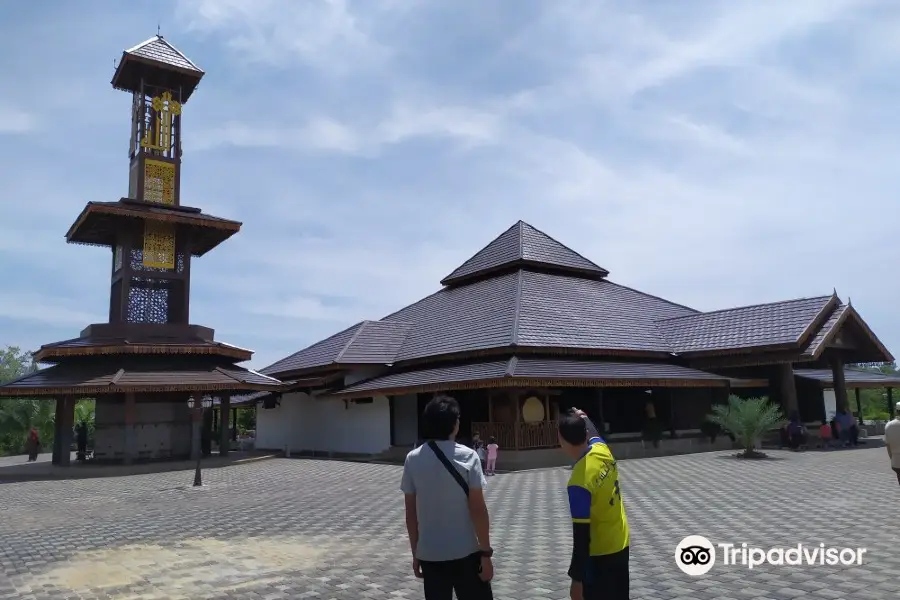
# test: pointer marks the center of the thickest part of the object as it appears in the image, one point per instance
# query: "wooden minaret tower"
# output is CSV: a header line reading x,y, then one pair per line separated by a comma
x,y
147,365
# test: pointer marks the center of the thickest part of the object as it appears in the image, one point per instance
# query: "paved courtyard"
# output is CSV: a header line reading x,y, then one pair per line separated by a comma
x,y
292,528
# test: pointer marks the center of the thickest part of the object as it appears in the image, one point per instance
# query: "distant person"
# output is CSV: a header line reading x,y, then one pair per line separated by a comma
x,y
493,451
892,441
849,430
825,434
33,445
796,432
82,437
601,538
446,516
480,450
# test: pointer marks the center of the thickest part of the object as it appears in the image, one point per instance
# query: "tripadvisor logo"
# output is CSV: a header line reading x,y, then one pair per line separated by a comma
x,y
695,555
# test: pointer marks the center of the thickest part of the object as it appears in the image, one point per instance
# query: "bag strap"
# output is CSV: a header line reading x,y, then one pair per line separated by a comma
x,y
450,468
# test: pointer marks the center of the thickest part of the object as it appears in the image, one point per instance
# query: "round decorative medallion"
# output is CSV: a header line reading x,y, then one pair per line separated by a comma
x,y
533,410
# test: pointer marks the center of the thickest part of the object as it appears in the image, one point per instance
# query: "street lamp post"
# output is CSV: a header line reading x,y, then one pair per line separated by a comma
x,y
197,407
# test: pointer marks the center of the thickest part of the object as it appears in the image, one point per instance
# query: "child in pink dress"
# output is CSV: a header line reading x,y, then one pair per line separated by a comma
x,y
492,450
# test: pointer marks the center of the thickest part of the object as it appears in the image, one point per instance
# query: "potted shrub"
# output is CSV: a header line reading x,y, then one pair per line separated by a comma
x,y
748,421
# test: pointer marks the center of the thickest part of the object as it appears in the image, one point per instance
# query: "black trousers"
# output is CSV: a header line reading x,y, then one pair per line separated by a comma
x,y
608,577
461,575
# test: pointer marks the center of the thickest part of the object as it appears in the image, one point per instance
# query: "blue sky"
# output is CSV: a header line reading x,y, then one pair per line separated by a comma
x,y
715,153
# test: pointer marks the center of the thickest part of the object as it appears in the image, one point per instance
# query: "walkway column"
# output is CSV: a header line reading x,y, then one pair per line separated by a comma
x,y
840,384
516,428
196,425
859,417
890,402
65,420
224,433
130,434
57,429
788,388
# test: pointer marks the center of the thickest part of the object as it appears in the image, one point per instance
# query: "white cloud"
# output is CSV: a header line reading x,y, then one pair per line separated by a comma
x,y
45,310
13,120
726,153
322,34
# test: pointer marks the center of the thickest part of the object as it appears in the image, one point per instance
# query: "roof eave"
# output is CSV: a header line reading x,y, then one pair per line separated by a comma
x,y
532,382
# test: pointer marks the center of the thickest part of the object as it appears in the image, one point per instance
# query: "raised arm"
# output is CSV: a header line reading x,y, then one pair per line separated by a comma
x,y
593,433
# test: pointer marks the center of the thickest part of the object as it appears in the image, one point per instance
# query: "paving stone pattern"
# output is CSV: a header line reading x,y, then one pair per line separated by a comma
x,y
293,528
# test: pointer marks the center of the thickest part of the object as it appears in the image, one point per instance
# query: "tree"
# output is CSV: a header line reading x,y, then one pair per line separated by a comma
x,y
747,420
19,415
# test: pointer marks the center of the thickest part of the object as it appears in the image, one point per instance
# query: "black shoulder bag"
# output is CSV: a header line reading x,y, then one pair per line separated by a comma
x,y
449,466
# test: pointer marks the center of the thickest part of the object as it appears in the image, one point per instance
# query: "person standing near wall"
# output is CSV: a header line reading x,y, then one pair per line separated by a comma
x,y
446,516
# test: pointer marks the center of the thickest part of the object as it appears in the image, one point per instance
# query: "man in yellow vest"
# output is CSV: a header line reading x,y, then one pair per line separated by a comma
x,y
599,567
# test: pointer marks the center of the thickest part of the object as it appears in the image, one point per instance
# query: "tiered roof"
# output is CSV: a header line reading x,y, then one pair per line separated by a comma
x,y
527,294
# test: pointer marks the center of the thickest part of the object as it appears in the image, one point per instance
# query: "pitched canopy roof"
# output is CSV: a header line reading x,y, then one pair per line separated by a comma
x,y
528,291
778,323
854,378
157,62
124,375
523,245
100,223
534,372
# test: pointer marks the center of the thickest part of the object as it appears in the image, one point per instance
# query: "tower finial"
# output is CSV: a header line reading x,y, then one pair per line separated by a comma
x,y
158,34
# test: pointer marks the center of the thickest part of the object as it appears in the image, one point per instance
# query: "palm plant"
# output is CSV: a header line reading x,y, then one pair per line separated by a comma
x,y
747,420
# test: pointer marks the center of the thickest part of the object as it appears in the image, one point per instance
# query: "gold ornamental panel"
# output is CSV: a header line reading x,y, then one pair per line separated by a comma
x,y
159,245
159,182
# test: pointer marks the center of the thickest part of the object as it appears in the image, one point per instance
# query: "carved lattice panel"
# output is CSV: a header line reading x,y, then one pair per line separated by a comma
x,y
148,301
159,182
137,263
159,245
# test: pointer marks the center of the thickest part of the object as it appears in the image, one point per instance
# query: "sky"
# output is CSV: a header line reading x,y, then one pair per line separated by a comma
x,y
715,153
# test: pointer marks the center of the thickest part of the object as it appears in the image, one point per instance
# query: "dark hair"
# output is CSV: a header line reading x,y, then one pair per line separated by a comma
x,y
439,417
492,440
572,428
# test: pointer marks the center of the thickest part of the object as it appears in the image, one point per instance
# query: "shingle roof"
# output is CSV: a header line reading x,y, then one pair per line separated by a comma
x,y
522,308
544,305
522,245
109,376
160,50
367,342
817,343
516,371
853,377
777,323
158,64
156,345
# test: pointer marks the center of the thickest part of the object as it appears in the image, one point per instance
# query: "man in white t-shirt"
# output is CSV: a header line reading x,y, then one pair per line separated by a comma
x,y
892,441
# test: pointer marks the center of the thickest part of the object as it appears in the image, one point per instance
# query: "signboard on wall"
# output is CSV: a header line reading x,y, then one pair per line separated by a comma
x,y
830,403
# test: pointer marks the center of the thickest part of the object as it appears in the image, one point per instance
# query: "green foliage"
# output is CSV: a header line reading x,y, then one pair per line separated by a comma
x,y
246,419
874,401
747,420
19,415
